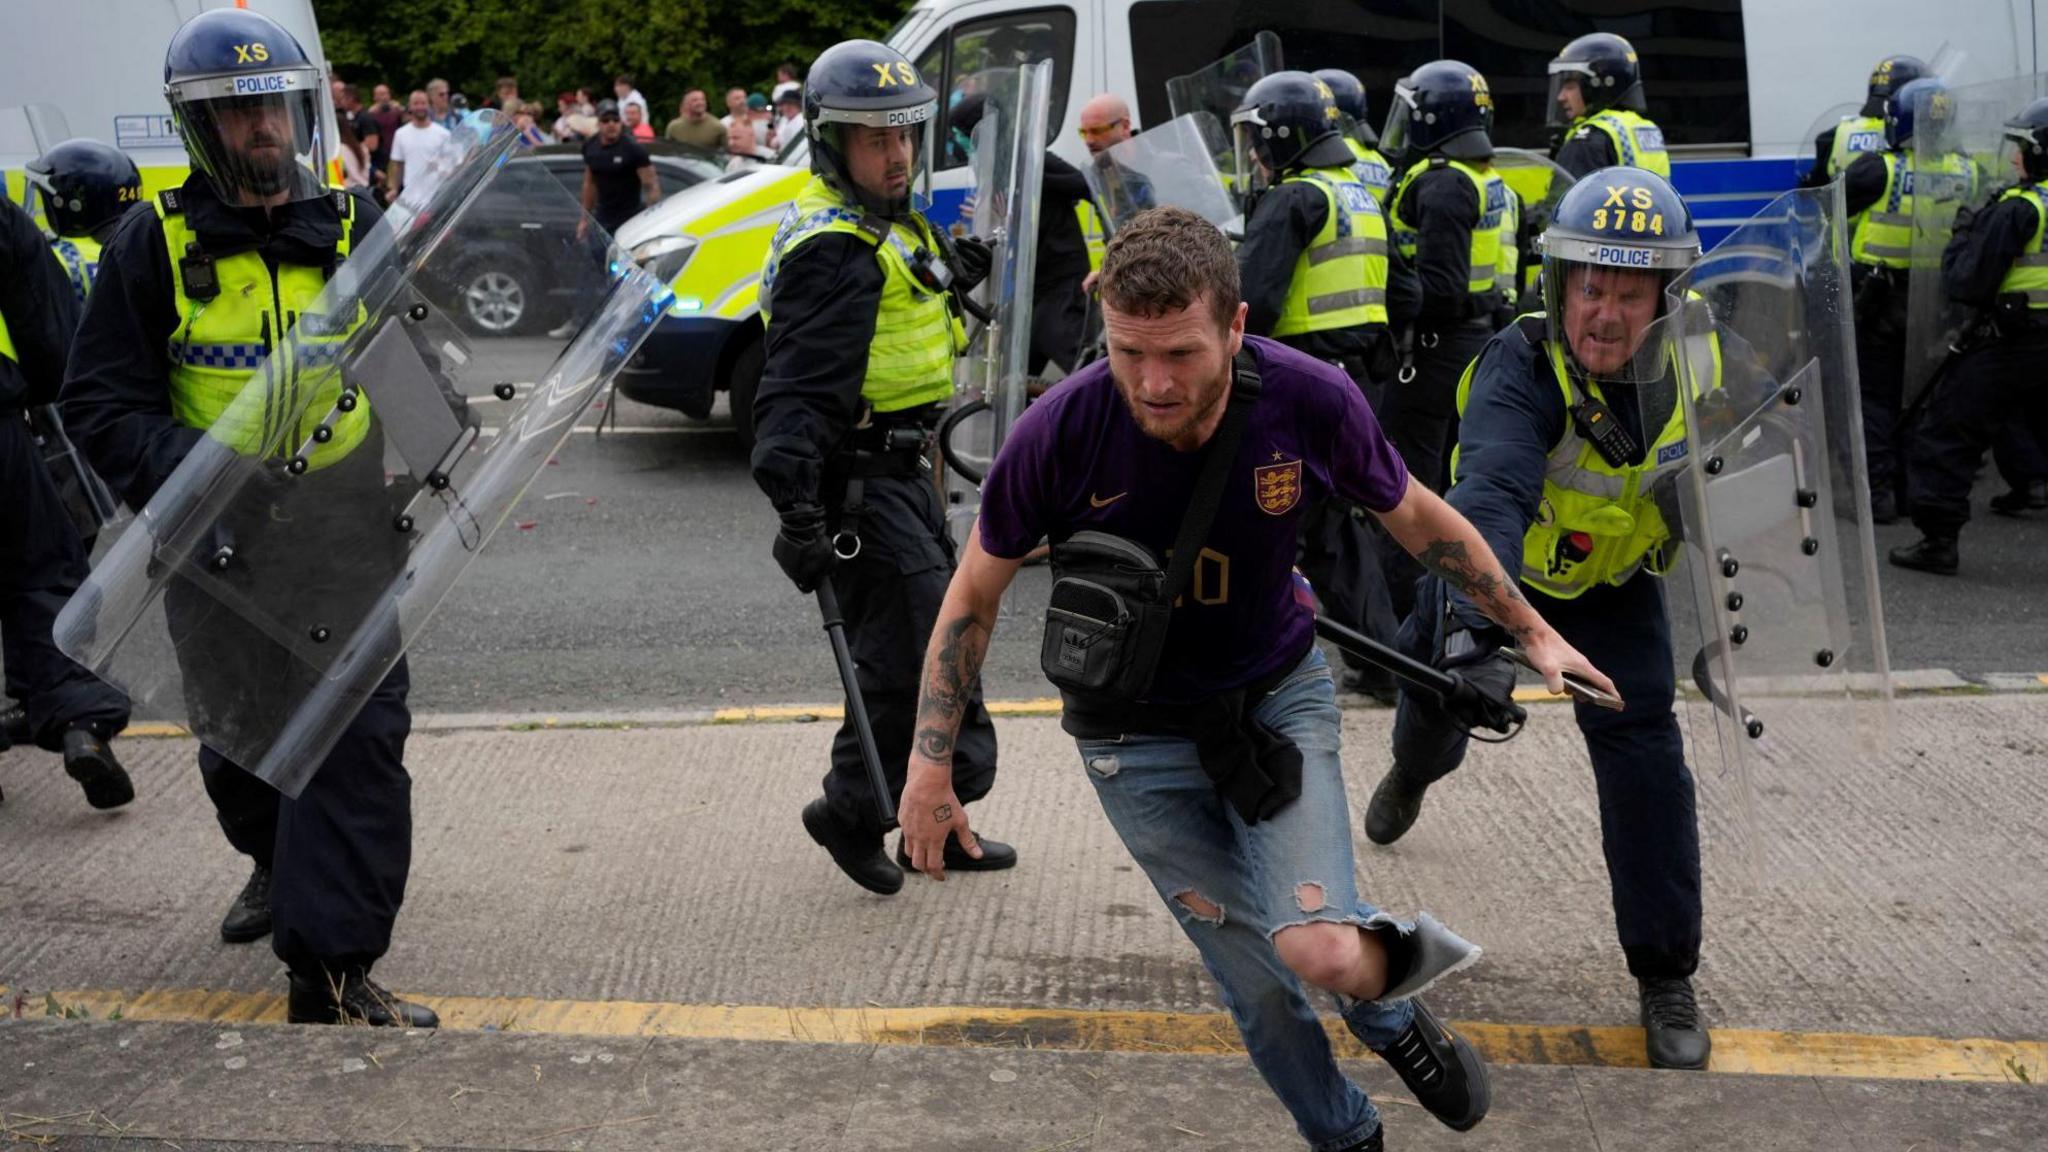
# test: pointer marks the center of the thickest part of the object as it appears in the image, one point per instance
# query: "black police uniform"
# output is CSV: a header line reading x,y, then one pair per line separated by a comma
x,y
1880,296
1060,318
827,292
340,852
42,559
1992,394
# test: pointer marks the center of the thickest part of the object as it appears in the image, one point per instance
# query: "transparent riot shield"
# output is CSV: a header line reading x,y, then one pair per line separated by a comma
x,y
1169,164
1778,626
1538,184
274,580
1864,140
1956,167
993,380
1219,88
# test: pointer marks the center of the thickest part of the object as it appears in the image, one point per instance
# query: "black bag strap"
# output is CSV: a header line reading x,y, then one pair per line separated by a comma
x,y
1221,452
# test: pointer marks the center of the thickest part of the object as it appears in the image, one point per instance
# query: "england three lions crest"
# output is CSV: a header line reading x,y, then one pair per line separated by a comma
x,y
1277,487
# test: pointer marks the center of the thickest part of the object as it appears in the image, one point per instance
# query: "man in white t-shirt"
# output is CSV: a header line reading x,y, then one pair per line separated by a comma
x,y
421,152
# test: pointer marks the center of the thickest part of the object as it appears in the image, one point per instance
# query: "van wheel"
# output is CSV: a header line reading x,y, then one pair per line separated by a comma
x,y
742,382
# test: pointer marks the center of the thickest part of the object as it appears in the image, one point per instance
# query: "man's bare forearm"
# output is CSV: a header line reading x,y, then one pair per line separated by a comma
x,y
1450,548
952,673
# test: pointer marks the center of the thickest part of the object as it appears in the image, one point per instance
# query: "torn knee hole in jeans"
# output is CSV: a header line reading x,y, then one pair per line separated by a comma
x,y
1309,896
1199,906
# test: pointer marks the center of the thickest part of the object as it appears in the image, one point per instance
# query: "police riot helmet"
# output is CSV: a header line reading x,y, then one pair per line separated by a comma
x,y
84,185
1287,120
1604,68
864,84
246,99
1351,103
2026,141
1443,107
1890,74
1618,238
1921,107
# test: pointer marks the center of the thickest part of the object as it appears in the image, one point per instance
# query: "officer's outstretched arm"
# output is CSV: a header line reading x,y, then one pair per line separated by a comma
x,y
1447,544
929,811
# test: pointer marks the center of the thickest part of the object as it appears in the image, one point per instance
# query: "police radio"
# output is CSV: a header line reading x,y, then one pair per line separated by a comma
x,y
1595,424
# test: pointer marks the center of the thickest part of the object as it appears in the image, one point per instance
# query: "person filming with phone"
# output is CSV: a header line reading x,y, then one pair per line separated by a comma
x,y
1571,441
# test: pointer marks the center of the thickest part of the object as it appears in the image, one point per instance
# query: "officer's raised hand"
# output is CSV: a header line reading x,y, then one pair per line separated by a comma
x,y
802,546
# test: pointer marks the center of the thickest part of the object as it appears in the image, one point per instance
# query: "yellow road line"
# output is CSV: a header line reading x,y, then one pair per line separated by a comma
x,y
1833,1054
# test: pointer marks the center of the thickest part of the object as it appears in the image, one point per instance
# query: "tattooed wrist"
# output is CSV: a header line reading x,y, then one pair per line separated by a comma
x,y
934,743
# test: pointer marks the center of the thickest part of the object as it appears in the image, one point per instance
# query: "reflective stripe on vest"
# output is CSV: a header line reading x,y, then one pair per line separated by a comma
x,y
1091,232
2028,276
1340,279
1854,136
1492,192
219,344
1598,524
7,342
1637,141
1372,170
1509,261
81,258
916,335
1884,233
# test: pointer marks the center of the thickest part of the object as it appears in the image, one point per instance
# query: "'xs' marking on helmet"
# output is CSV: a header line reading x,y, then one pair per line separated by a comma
x,y
251,53
897,74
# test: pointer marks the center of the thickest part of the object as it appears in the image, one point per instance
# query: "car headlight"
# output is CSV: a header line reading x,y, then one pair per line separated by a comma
x,y
665,256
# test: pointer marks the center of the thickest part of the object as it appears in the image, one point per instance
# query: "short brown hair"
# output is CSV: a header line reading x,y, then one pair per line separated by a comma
x,y
1165,260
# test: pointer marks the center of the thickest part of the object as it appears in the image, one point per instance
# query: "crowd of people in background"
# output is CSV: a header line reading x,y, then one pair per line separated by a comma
x,y
380,137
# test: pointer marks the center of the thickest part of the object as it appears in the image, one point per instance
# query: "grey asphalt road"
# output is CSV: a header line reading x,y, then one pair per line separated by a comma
x,y
635,574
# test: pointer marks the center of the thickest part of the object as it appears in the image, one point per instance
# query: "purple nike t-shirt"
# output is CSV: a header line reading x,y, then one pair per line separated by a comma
x,y
1076,460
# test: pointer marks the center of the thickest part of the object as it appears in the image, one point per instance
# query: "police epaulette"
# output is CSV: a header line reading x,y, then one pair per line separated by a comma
x,y
874,227
341,201
171,204
1533,327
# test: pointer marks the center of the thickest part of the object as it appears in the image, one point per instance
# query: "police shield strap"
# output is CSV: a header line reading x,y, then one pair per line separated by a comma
x,y
344,481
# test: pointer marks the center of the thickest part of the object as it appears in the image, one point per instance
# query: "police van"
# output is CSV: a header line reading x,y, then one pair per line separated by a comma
x,y
97,70
1736,85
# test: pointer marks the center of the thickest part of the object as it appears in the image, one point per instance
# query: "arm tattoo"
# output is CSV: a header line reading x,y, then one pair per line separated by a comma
x,y
953,677
1490,590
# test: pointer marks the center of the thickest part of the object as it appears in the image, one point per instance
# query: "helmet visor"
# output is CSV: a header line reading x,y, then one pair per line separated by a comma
x,y
256,137
1251,176
1570,76
1609,319
2013,151
880,167
1394,137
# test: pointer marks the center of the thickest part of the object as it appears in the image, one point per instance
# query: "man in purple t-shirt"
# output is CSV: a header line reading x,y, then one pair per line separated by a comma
x,y
1271,903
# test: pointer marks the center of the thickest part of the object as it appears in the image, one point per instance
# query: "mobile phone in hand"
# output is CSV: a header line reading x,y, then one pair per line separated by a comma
x,y
1574,686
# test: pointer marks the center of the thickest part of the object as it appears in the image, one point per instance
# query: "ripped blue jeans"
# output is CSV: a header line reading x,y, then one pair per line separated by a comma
x,y
1233,886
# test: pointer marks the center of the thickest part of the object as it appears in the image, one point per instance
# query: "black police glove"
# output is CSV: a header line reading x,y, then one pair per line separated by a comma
x,y
802,547
972,260
1484,697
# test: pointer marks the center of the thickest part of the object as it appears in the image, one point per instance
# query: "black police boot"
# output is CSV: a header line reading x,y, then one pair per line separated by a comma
x,y
14,727
2014,503
859,855
88,760
1936,554
1446,1074
995,856
1884,507
1395,805
248,917
355,999
1672,1032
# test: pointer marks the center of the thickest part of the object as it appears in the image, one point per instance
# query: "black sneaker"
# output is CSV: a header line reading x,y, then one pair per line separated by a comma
x,y
14,727
1395,805
90,761
1373,1143
248,918
1672,1033
1930,554
353,1000
1446,1074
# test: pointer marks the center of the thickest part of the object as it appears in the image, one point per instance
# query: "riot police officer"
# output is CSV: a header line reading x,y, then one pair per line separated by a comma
x,y
1315,273
1995,263
862,329
1596,98
85,187
62,707
1369,166
190,296
1879,190
1570,419
1838,145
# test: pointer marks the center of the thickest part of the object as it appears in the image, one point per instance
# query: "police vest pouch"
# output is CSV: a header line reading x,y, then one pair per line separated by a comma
x,y
1106,622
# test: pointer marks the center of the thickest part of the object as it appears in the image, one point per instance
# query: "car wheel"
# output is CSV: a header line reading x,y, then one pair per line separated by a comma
x,y
742,383
496,296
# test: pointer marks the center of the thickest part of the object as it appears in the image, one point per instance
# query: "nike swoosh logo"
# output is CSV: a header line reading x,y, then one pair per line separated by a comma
x,y
1099,502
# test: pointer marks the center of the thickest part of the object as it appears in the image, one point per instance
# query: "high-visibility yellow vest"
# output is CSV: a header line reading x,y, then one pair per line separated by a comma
x,y
1883,234
916,334
1854,136
1493,208
7,342
1091,231
1372,170
1599,524
261,318
1340,279
1637,141
1509,262
80,256
2028,276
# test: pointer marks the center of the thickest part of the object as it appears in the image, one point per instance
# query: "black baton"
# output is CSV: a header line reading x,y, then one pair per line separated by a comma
x,y
835,628
1447,687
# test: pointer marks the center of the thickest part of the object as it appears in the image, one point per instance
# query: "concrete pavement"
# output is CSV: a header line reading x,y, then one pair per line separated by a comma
x,y
646,892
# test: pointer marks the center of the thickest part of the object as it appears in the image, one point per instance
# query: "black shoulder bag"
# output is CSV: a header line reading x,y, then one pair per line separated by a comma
x,y
1105,625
